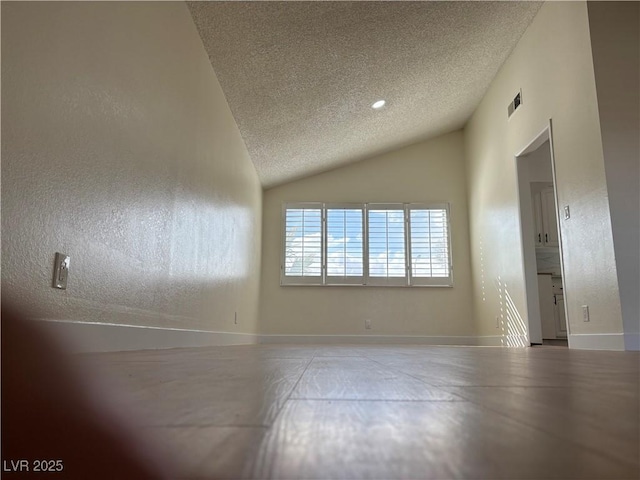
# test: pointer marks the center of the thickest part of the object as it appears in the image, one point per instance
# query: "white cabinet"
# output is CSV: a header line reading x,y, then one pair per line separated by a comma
x,y
545,217
547,316
558,307
561,321
550,292
549,217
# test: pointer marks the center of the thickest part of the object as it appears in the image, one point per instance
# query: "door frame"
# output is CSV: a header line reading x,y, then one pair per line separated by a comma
x,y
528,253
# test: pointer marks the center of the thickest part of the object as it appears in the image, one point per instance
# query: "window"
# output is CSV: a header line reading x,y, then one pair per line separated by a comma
x,y
387,245
344,244
366,244
429,245
303,244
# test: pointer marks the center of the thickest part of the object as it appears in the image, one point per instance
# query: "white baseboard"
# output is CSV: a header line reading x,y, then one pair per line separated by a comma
x,y
597,341
632,341
100,337
489,341
77,337
381,340
503,341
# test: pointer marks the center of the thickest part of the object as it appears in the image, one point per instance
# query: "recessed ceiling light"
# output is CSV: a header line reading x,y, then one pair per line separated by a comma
x,y
378,104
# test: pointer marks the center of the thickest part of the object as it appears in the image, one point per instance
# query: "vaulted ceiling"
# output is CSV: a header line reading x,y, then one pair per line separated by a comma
x,y
300,77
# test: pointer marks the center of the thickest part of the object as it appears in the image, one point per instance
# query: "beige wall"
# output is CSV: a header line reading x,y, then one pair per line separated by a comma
x,y
119,149
552,64
429,172
615,42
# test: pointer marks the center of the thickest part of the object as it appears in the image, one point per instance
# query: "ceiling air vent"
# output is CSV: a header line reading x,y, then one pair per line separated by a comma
x,y
515,104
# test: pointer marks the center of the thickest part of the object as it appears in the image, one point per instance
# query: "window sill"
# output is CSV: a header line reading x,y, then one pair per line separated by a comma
x,y
341,285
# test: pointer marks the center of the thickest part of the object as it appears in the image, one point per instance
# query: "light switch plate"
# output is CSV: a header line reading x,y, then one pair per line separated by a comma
x,y
567,214
61,271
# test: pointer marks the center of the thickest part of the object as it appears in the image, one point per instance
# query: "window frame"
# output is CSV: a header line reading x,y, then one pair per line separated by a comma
x,y
408,280
416,281
339,280
299,279
388,281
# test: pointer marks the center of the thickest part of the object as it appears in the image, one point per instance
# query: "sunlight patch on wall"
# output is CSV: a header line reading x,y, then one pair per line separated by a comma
x,y
512,326
210,242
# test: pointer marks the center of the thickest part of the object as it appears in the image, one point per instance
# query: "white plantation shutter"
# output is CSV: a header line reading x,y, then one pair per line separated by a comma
x,y
386,244
344,244
429,245
393,244
303,244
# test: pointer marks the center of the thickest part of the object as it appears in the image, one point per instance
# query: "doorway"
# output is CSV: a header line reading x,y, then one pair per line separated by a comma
x,y
541,242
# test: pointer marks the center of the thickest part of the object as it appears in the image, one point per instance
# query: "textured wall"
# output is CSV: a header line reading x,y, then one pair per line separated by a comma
x,y
615,27
119,149
552,64
428,172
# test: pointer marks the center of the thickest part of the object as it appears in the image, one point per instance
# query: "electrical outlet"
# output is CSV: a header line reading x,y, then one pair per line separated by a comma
x,y
367,324
585,313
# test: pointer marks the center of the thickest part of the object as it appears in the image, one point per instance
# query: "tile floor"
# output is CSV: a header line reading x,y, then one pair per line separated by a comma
x,y
382,412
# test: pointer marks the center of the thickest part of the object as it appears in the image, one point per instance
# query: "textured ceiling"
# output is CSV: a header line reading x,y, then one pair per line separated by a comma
x,y
300,77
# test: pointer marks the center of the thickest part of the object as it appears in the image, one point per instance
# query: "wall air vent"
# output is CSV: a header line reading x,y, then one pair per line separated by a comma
x,y
515,104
